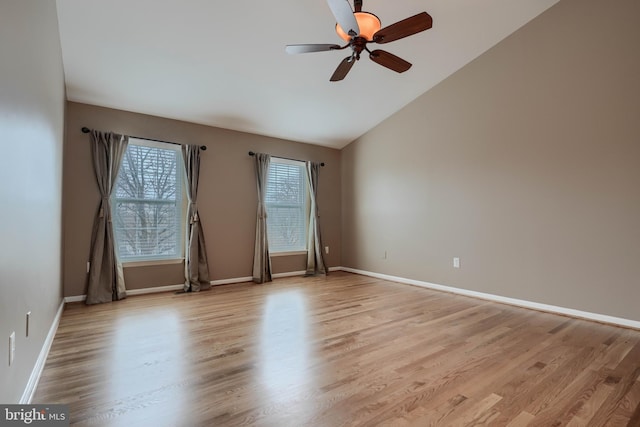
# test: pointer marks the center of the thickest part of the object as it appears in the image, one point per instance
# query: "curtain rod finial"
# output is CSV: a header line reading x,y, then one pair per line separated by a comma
x,y
85,130
203,147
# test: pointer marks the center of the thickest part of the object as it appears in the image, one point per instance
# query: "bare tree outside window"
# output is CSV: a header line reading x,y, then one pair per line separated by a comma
x,y
148,203
286,201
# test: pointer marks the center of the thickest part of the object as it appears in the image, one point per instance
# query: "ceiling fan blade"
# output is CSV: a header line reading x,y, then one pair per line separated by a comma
x,y
407,27
342,70
307,48
357,5
344,16
390,61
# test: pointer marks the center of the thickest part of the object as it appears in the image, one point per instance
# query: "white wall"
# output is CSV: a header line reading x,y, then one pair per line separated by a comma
x,y
31,134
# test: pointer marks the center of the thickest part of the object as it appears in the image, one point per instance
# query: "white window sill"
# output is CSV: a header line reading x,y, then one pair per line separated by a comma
x,y
275,254
150,262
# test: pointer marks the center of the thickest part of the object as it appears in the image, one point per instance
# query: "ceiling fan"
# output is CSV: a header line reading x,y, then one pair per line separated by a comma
x,y
360,28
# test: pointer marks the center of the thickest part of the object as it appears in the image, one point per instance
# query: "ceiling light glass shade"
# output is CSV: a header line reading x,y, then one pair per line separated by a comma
x,y
368,23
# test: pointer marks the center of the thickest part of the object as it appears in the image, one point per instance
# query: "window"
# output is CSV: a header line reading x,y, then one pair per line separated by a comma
x,y
286,203
148,202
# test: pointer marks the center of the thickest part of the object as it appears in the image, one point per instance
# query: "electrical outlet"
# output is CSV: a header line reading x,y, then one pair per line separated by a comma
x,y
12,346
326,250
456,262
27,326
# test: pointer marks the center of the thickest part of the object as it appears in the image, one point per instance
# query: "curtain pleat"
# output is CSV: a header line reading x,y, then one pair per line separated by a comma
x,y
106,278
261,258
196,264
315,255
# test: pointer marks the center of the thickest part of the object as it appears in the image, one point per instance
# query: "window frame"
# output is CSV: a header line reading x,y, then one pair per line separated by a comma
x,y
302,249
181,209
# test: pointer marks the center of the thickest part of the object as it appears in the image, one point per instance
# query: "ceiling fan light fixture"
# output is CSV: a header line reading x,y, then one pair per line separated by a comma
x,y
368,23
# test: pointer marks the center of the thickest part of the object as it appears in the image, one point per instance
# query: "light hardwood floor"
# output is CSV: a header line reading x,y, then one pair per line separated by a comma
x,y
338,351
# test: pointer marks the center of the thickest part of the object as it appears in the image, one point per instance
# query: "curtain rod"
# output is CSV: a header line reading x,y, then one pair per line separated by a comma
x,y
202,147
251,153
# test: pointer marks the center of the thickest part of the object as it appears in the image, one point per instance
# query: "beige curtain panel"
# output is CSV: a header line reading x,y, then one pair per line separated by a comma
x,y
315,255
106,278
261,258
196,264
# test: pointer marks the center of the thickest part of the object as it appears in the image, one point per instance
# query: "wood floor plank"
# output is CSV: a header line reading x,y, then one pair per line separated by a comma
x,y
521,420
345,350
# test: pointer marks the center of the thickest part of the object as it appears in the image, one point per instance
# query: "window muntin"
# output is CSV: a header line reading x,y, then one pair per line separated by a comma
x,y
287,206
148,202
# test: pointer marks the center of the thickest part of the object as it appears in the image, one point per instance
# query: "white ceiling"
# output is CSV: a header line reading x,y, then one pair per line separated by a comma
x,y
223,63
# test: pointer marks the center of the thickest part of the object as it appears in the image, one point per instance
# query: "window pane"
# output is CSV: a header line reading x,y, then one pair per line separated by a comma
x,y
285,184
148,173
286,228
146,229
286,200
147,207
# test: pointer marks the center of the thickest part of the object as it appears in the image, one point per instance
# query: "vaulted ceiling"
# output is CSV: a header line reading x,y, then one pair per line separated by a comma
x,y
223,63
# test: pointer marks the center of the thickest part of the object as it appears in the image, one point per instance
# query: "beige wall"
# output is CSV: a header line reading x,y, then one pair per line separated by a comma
x,y
227,195
31,134
525,164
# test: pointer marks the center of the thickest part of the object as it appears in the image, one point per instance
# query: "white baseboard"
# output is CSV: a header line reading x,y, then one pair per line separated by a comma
x,y
131,292
34,378
232,280
602,318
168,288
300,273
288,274
275,276
75,298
